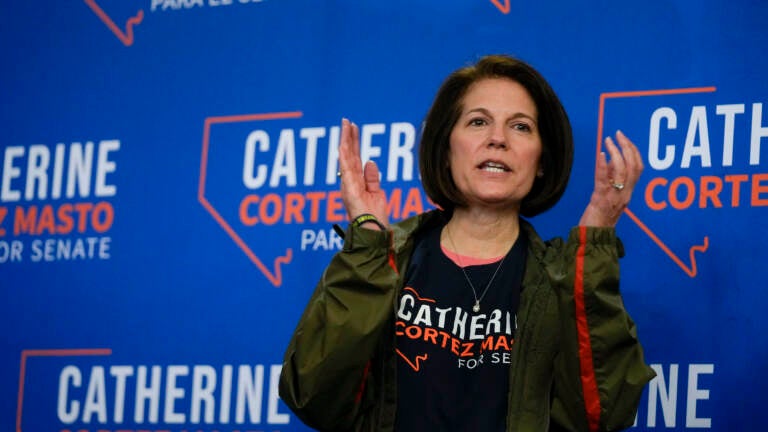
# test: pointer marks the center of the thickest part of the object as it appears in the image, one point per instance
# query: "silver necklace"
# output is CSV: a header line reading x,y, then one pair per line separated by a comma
x,y
476,307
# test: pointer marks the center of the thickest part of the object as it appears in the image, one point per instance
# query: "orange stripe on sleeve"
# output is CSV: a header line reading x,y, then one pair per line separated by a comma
x,y
392,262
359,395
588,381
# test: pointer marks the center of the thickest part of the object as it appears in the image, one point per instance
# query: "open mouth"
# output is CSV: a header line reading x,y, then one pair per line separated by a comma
x,y
494,167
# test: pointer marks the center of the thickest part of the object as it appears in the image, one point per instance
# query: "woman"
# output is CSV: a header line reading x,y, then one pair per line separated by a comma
x,y
463,318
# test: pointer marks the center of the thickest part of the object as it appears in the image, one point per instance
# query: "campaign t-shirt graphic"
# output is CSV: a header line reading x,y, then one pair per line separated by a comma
x,y
454,358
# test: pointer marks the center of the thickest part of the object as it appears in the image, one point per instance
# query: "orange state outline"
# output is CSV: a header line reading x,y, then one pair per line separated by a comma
x,y
276,277
503,7
418,296
415,364
127,37
691,270
25,354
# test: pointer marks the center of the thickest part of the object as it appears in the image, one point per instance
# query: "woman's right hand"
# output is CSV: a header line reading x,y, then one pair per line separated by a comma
x,y
360,186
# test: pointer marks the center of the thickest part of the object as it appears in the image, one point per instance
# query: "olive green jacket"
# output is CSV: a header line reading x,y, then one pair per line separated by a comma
x,y
576,363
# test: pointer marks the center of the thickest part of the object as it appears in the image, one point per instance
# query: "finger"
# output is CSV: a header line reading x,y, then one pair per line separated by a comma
x,y
371,175
344,145
349,161
350,168
629,148
601,171
628,157
355,135
632,159
616,167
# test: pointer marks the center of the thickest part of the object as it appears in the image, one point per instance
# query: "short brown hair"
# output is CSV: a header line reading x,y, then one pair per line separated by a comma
x,y
554,129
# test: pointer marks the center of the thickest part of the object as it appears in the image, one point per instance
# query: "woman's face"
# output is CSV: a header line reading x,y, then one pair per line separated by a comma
x,y
495,146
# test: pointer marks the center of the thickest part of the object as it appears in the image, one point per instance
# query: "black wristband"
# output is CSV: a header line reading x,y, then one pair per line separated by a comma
x,y
365,218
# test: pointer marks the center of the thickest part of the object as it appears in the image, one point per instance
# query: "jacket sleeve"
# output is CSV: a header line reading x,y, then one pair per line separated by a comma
x,y
328,358
600,372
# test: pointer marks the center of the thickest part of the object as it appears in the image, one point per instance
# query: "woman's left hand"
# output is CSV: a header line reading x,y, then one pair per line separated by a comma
x,y
614,182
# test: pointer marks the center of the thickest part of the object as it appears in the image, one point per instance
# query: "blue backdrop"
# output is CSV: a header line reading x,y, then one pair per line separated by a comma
x,y
167,187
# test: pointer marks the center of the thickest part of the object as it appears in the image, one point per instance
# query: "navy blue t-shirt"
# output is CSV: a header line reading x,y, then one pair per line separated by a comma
x,y
453,363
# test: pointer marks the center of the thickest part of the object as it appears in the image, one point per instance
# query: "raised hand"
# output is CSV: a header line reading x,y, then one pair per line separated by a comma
x,y
360,186
614,182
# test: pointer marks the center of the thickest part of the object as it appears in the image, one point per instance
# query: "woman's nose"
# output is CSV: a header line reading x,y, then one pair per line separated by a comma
x,y
497,138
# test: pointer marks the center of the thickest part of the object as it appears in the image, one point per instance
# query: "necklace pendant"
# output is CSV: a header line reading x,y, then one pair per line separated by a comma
x,y
476,307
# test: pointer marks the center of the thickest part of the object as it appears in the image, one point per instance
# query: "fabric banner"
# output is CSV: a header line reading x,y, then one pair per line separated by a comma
x,y
168,186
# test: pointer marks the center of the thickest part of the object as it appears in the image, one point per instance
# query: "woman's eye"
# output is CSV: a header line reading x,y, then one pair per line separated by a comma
x,y
523,127
477,122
